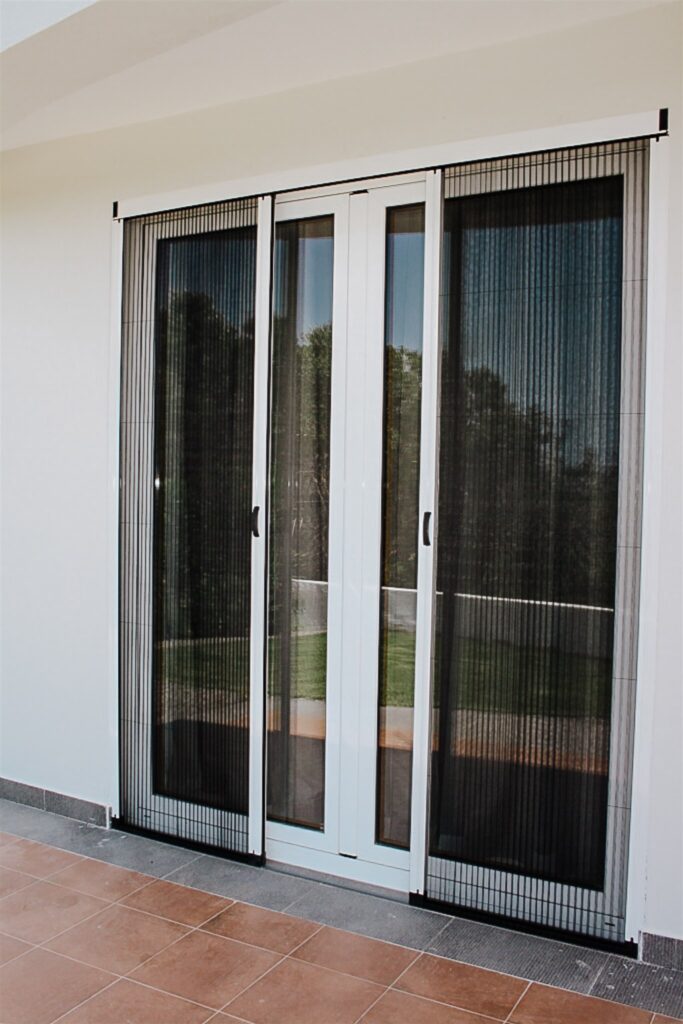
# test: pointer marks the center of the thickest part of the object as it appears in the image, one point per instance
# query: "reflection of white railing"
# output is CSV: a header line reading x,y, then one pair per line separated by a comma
x,y
574,628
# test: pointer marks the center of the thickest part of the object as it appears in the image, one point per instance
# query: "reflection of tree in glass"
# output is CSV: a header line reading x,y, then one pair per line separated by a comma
x,y
517,518
402,377
300,449
203,455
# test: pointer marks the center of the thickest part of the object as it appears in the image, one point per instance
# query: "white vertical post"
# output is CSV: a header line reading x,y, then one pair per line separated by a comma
x,y
426,560
113,471
257,645
354,390
655,375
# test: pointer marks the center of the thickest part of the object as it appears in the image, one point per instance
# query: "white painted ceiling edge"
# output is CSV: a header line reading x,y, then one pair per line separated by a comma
x,y
20,19
120,62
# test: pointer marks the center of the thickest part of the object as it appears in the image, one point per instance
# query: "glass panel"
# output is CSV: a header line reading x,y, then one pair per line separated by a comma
x,y
400,496
204,355
299,517
527,529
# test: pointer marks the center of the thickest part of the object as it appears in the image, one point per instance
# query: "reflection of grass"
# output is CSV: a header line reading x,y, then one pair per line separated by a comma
x,y
493,676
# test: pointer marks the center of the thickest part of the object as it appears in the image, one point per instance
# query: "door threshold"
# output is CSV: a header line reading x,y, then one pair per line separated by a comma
x,y
340,869
338,881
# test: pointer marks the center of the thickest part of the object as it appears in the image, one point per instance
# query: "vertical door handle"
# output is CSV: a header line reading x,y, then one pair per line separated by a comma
x,y
254,520
426,520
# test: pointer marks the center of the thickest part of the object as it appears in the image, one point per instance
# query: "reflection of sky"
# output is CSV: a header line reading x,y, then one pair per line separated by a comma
x,y
405,289
541,308
314,277
220,265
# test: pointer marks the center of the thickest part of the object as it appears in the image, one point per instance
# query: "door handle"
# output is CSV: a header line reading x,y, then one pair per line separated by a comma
x,y
426,520
254,520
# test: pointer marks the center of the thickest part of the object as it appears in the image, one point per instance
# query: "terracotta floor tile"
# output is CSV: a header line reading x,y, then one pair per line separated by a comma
x,y
277,932
401,1008
39,987
354,954
128,1003
12,881
9,948
299,993
177,902
97,879
42,910
35,858
666,1020
470,988
118,939
545,1005
6,838
206,968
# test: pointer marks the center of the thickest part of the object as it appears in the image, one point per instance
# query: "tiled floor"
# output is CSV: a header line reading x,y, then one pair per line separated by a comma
x,y
85,941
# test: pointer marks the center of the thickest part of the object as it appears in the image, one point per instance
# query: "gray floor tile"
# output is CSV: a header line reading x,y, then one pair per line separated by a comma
x,y
19,818
526,956
120,848
136,853
369,915
346,883
259,886
659,989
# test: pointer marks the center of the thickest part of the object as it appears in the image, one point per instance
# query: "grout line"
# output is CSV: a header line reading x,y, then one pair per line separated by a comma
x,y
389,987
597,977
447,925
126,977
509,1016
14,838
283,957
181,867
303,895
89,856
52,879
452,1006
88,917
104,988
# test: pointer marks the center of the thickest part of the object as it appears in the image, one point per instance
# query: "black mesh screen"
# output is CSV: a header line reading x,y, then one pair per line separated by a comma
x,y
204,346
186,451
528,528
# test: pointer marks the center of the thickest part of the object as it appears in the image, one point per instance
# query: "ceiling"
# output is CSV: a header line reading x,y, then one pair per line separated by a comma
x,y
108,63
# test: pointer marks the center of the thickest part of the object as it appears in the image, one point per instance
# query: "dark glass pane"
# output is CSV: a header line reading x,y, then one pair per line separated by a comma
x,y
204,354
299,517
526,553
400,496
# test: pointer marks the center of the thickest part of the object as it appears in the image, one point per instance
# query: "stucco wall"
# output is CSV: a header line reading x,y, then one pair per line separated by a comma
x,y
58,707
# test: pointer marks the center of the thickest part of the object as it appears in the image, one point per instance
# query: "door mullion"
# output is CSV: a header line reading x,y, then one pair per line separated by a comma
x,y
354,386
259,543
428,505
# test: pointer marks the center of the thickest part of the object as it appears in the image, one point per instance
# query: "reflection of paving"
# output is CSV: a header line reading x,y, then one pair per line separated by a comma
x,y
307,717
569,743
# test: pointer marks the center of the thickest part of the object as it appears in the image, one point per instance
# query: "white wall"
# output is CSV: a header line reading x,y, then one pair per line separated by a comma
x,y
58,715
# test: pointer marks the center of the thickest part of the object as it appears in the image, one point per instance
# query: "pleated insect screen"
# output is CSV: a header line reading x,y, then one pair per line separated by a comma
x,y
186,455
538,534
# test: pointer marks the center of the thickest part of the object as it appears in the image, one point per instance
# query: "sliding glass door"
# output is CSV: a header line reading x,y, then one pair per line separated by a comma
x,y
347,347
193,454
380,513
537,537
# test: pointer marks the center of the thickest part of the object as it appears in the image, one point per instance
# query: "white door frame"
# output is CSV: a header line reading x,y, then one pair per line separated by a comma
x,y
347,847
283,841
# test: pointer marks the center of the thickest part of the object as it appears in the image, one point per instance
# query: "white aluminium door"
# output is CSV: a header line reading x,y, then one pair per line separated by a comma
x,y
345,525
